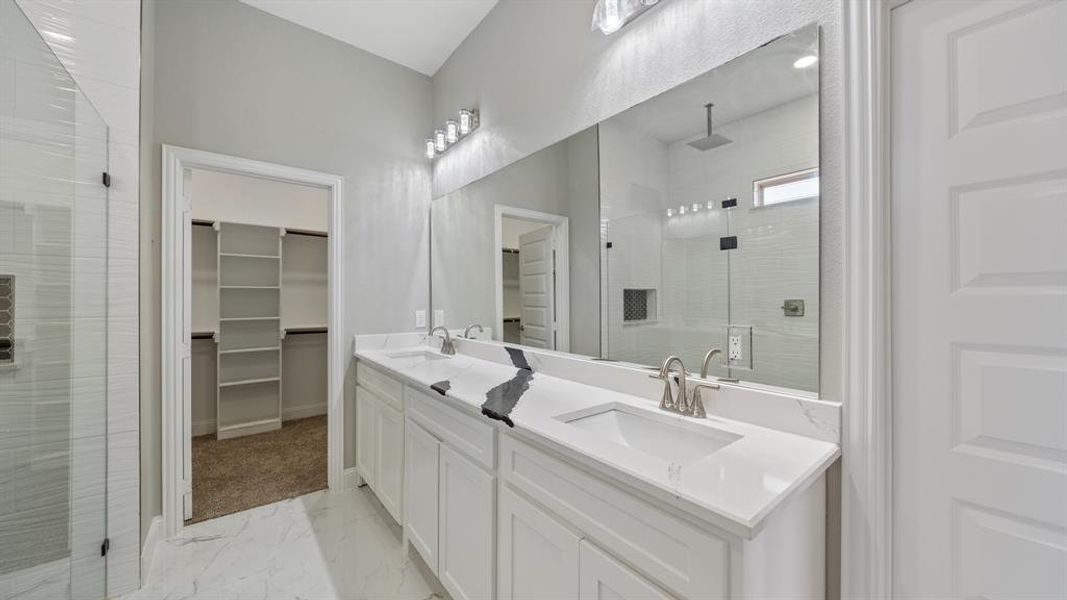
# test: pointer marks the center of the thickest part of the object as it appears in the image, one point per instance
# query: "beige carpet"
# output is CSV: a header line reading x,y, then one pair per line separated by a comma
x,y
241,473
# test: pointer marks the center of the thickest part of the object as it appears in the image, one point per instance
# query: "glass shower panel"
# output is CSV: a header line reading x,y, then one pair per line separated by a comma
x,y
53,324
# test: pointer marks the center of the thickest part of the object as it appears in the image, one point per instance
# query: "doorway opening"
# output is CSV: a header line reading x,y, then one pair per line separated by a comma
x,y
532,275
252,363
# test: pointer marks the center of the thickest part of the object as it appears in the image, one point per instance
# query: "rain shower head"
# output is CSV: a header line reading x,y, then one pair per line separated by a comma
x,y
713,140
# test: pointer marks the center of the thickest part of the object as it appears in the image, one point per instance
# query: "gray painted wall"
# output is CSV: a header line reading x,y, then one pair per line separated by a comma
x,y
231,79
537,75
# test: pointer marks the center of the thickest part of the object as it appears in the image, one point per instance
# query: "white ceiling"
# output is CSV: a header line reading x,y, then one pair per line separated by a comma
x,y
420,34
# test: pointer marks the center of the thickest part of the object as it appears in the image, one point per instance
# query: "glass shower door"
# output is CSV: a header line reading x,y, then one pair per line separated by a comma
x,y
53,324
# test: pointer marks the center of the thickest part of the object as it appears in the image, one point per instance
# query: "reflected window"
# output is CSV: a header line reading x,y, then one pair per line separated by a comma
x,y
799,185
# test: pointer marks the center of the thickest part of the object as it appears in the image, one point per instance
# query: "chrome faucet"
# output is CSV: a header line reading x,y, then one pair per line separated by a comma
x,y
697,403
447,347
670,401
688,402
467,331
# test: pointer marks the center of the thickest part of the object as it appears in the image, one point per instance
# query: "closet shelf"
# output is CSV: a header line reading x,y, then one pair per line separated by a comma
x,y
249,350
248,381
240,255
249,319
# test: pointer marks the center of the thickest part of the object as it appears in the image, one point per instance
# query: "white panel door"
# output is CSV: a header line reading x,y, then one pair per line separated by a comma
x,y
467,514
537,290
604,578
421,455
979,323
389,459
537,557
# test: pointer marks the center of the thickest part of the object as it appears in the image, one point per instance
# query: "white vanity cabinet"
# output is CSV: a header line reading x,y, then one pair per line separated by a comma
x,y
451,495
538,556
380,436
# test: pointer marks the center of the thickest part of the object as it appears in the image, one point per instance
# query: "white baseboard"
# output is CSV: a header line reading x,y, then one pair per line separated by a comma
x,y
351,479
207,426
148,550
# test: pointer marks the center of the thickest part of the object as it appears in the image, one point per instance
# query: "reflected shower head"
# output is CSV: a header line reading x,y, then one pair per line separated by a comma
x,y
713,140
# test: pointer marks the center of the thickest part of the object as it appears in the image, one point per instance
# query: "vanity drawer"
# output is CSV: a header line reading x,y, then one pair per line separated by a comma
x,y
463,432
690,561
388,389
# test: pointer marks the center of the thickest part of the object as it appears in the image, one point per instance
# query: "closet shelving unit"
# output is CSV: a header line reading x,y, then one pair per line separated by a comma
x,y
249,334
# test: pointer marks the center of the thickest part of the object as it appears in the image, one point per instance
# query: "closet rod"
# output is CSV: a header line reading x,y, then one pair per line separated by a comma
x,y
302,330
306,232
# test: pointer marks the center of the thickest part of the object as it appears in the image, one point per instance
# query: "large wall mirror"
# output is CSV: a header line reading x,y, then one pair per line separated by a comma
x,y
685,223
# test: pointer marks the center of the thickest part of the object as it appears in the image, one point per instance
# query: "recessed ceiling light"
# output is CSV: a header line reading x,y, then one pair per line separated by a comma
x,y
805,61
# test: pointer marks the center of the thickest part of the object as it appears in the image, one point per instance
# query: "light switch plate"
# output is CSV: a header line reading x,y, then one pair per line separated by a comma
x,y
420,318
438,318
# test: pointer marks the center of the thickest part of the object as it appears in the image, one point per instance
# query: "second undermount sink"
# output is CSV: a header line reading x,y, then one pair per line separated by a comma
x,y
662,436
414,357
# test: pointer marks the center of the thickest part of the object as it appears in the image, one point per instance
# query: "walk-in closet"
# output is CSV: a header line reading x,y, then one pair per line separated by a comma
x,y
259,314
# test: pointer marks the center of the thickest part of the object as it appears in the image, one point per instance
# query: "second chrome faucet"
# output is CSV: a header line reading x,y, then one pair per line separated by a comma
x,y
688,402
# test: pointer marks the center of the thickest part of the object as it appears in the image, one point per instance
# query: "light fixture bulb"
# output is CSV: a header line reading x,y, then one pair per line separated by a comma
x,y
670,212
431,148
805,61
695,207
711,204
451,131
439,140
466,121
681,209
611,19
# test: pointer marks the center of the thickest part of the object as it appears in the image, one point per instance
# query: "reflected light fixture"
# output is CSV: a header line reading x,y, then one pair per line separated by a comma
x,y
610,16
431,148
695,207
467,121
670,212
451,131
805,61
439,140
681,209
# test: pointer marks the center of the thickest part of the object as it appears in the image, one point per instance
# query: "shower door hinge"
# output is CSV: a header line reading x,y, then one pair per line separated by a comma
x,y
105,178
104,547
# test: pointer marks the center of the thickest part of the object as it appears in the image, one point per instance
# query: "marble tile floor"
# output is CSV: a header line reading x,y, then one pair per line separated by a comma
x,y
325,545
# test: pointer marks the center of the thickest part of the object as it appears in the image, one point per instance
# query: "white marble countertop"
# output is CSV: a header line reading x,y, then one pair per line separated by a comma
x,y
735,488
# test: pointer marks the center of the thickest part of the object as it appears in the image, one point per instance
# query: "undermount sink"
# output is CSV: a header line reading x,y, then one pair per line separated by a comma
x,y
662,436
414,357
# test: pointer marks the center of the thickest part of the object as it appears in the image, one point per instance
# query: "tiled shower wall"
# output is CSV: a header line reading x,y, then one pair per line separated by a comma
x,y
99,44
698,290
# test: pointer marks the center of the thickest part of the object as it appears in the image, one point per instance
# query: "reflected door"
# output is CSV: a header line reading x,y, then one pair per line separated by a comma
x,y
537,288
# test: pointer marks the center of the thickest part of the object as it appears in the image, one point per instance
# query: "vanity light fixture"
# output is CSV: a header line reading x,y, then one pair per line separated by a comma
x,y
466,121
711,204
670,212
610,16
454,131
681,209
805,61
695,207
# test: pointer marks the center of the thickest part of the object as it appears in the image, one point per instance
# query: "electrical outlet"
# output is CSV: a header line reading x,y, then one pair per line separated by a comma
x,y
420,319
736,352
438,318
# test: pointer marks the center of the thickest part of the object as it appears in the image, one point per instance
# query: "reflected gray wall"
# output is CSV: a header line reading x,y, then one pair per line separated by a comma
x,y
562,180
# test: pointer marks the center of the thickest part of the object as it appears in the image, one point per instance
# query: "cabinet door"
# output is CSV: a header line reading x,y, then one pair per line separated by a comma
x,y
366,407
389,459
466,529
603,577
537,557
420,487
